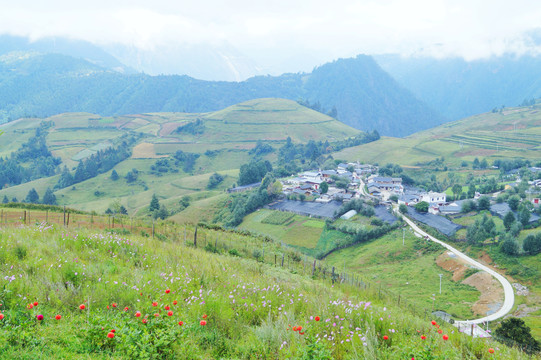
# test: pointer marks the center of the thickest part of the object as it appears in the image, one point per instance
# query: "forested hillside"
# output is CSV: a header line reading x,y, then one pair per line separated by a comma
x,y
356,91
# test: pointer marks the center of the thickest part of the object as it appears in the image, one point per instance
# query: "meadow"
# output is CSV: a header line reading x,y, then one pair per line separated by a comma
x,y
87,293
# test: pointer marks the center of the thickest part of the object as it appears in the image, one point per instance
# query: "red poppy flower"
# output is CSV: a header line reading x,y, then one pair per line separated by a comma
x,y
35,303
180,323
126,308
113,331
137,314
294,328
111,335
58,317
167,307
82,306
175,302
167,291
204,316
440,331
1,316
113,304
154,303
145,321
156,315
170,313
385,337
317,318
299,328
203,323
491,350
301,332
423,337
445,337
434,322
39,317
30,306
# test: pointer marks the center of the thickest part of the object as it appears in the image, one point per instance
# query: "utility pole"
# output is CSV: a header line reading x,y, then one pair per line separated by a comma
x,y
440,281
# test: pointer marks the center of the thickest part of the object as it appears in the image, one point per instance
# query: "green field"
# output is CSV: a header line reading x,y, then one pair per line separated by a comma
x,y
409,271
514,134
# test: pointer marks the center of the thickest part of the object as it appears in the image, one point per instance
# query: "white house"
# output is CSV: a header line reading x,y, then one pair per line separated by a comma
x,y
433,197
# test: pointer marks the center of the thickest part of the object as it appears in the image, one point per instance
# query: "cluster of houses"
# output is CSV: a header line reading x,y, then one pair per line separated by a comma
x,y
309,183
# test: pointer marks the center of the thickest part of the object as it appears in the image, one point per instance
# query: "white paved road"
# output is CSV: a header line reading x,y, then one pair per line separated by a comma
x,y
508,289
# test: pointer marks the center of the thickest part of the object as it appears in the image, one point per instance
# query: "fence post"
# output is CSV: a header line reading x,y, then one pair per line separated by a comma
x,y
153,228
195,237
274,259
24,217
68,220
282,260
314,268
332,275
113,223
64,215
216,244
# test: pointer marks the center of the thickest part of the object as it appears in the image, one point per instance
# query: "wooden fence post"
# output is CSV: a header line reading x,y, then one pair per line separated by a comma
x,y
153,228
64,215
282,260
332,275
68,220
314,268
195,237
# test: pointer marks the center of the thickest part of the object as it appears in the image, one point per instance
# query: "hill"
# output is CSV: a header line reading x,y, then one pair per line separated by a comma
x,y
111,294
459,88
214,142
511,133
357,91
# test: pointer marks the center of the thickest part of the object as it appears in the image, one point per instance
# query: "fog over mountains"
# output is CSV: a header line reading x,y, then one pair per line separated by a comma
x,y
396,96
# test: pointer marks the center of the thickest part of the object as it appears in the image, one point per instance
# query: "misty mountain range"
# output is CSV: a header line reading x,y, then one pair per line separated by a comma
x,y
394,95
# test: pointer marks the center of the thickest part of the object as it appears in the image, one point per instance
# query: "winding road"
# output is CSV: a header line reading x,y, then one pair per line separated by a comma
x,y
508,289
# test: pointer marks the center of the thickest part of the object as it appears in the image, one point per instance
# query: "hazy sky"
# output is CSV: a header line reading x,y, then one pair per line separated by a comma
x,y
275,30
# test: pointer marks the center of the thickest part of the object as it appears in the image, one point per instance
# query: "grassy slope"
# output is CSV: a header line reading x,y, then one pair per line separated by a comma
x,y
249,306
515,133
232,132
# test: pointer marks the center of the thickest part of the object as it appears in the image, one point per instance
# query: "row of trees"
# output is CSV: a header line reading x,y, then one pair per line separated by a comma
x,y
32,197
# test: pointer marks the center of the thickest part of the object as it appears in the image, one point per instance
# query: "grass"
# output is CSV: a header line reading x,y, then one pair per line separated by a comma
x,y
408,270
249,307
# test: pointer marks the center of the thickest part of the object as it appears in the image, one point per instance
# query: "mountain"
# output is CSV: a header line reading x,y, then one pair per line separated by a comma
x,y
77,49
458,88
365,97
223,62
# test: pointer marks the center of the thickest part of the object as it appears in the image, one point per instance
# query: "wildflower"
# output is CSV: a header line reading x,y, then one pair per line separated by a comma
x,y
317,318
385,337
204,316
181,323
58,317
126,308
82,306
35,303
440,331
175,302
167,307
1,316
113,305
138,314
111,335
423,337
445,337
167,291
294,328
113,331
301,332
434,322
39,317
154,303
170,313
299,328
156,315
30,306
144,321
203,323
491,350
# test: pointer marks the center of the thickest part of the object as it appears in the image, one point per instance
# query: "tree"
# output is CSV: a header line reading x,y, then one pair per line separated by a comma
x,y
457,190
154,203
214,180
275,188
32,197
393,197
403,208
483,203
513,202
324,187
514,331
49,198
162,213
122,210
510,247
524,216
421,207
467,206
508,220
131,176
114,175
184,202
532,244
5,200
